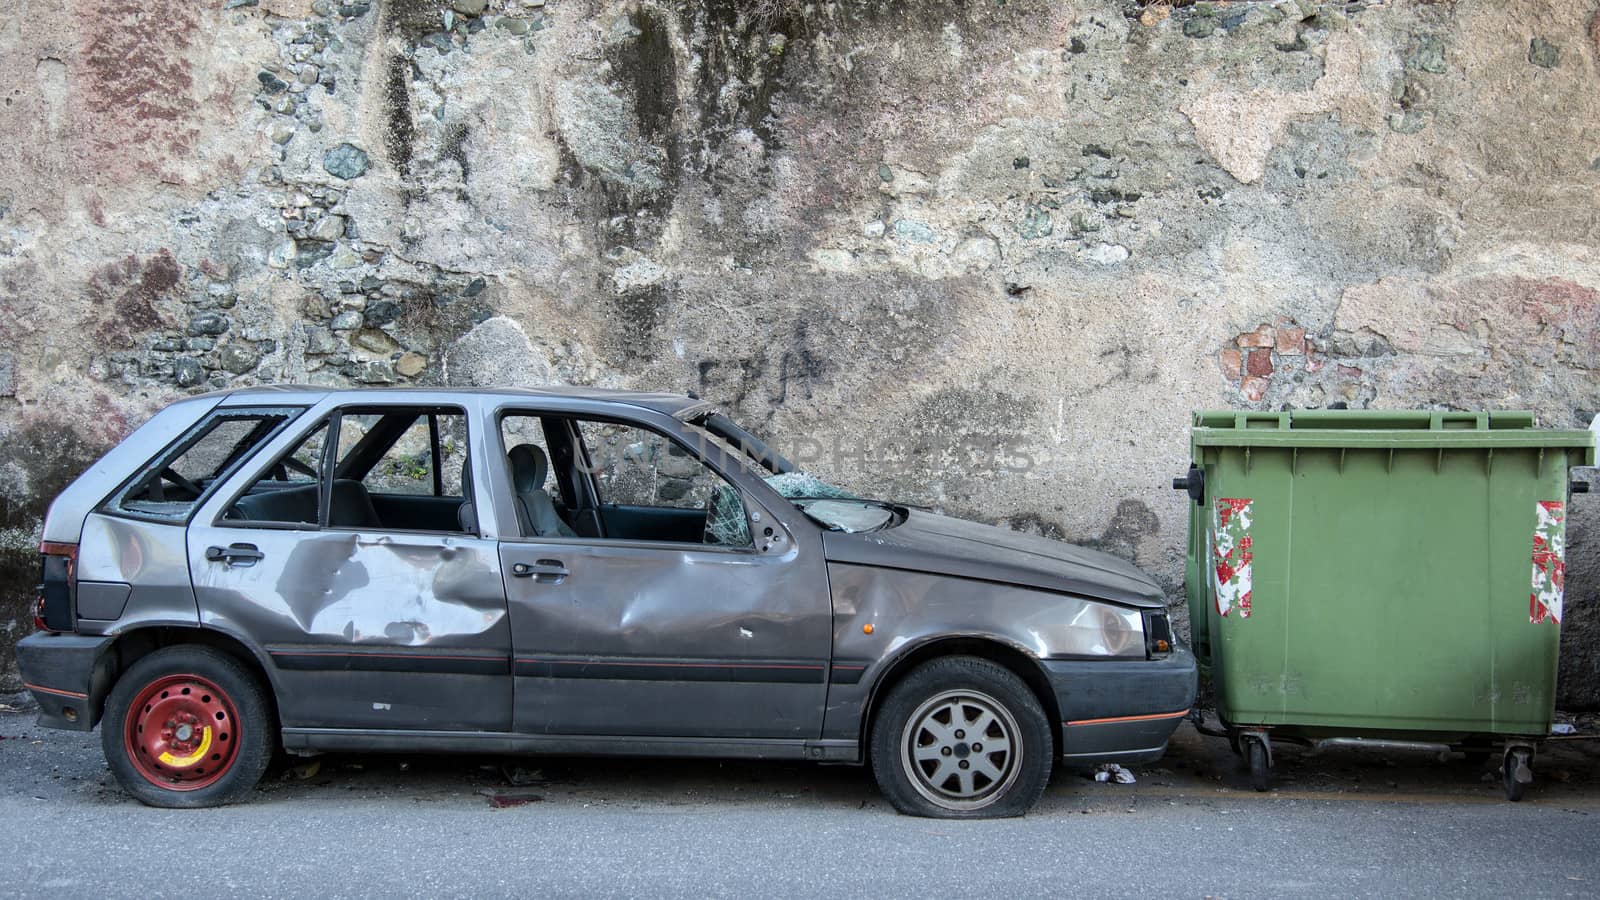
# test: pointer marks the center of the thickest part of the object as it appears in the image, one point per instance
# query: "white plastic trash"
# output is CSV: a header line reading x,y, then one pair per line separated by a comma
x,y
1113,772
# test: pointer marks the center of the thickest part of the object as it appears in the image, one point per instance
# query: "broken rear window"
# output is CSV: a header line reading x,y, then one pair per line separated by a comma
x,y
172,484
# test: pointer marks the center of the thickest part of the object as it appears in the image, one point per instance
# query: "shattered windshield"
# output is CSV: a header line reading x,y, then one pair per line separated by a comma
x,y
849,516
830,506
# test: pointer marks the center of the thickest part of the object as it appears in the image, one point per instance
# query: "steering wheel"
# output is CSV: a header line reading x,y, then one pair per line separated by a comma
x,y
182,482
300,467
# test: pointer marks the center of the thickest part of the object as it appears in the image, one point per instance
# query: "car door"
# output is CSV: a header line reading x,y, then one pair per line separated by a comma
x,y
646,629
373,615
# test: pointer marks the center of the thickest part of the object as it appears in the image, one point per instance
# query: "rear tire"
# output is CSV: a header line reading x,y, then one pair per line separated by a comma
x,y
962,738
188,727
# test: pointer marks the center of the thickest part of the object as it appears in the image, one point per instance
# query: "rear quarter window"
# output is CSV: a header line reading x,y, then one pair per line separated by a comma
x,y
172,483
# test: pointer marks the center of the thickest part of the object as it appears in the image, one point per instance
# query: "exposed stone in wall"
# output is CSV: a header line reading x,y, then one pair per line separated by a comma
x,y
985,256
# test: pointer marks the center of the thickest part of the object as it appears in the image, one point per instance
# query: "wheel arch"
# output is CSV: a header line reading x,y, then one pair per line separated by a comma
x,y
1013,658
135,644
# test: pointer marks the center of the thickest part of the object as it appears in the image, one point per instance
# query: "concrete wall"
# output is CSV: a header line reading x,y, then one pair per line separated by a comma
x,y
891,228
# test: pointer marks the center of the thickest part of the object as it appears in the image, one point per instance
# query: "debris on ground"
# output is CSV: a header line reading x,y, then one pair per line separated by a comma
x,y
1563,728
500,799
1113,772
517,776
304,771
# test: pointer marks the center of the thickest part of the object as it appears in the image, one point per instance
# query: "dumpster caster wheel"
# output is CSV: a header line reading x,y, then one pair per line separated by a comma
x,y
1260,766
1516,773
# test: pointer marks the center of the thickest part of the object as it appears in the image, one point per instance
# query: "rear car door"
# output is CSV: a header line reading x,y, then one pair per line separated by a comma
x,y
662,624
342,552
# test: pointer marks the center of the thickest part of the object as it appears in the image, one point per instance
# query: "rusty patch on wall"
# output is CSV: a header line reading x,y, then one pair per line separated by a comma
x,y
133,84
124,293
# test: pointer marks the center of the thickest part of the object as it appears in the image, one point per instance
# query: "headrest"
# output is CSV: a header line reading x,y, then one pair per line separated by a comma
x,y
529,466
466,480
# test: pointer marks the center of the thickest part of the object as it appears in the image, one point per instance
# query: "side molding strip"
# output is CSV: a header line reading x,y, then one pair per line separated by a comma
x,y
1147,718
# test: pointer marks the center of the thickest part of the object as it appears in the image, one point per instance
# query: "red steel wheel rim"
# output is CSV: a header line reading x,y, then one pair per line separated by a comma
x,y
182,733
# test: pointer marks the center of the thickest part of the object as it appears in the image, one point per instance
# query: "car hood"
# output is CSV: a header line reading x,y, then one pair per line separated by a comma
x,y
941,545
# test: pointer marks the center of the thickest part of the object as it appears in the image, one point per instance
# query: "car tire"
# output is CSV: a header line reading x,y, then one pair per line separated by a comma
x,y
927,749
188,727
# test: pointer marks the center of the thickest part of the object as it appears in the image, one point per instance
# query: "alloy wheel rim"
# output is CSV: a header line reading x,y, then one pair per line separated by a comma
x,y
961,749
182,733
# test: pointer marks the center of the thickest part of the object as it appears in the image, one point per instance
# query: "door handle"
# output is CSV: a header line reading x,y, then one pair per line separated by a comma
x,y
235,554
544,571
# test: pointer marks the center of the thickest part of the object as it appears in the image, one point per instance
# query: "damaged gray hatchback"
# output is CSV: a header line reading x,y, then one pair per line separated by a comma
x,y
567,571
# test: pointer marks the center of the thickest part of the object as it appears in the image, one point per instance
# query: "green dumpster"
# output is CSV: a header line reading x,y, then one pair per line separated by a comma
x,y
1392,578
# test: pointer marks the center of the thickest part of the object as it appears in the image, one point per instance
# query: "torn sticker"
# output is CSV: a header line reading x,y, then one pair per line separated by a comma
x,y
1549,562
1231,554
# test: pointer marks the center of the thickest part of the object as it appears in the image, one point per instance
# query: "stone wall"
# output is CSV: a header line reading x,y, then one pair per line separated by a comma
x,y
905,232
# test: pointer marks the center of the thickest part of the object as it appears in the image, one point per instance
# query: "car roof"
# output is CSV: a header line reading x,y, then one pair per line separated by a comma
x,y
675,405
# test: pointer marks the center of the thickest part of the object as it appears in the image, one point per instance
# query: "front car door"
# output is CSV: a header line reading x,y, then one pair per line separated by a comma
x,y
647,620
353,571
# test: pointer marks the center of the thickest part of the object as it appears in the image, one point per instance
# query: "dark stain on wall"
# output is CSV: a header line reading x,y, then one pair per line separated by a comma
x,y
649,67
50,456
645,71
743,45
636,318
1133,521
400,131
455,148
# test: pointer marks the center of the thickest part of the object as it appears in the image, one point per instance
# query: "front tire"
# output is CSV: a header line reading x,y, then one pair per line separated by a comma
x,y
962,738
188,727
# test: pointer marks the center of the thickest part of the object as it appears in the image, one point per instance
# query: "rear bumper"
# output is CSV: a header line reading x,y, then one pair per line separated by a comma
x,y
1121,710
69,675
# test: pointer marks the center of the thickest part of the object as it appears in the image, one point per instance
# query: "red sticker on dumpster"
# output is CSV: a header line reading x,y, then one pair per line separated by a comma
x,y
1231,554
1549,562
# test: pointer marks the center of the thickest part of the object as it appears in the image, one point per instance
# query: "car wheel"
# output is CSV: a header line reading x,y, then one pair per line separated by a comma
x,y
187,727
962,737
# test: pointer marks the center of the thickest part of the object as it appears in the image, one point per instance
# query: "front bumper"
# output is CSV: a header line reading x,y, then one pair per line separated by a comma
x,y
69,675
1124,711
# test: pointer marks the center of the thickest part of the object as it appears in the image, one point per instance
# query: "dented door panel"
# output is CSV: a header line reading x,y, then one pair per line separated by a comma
x,y
365,629
660,640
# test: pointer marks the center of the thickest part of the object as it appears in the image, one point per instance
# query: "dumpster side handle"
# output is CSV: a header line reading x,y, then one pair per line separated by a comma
x,y
1194,482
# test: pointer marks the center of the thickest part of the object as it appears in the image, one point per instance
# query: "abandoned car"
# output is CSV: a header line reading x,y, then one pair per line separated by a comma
x,y
572,571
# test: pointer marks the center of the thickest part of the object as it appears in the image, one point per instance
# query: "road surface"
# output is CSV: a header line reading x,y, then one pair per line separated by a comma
x,y
1349,825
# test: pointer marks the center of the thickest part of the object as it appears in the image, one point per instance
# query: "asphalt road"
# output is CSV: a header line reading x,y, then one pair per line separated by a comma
x,y
1349,825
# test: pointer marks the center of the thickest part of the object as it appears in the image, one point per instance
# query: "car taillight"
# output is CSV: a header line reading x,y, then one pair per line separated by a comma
x,y
58,583
1157,634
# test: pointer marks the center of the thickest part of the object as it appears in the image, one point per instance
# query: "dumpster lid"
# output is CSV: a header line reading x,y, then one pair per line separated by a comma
x,y
1398,428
